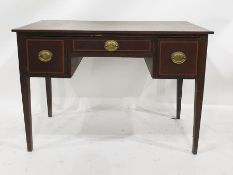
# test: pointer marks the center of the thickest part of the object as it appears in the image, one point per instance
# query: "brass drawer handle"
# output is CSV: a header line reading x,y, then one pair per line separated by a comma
x,y
178,57
111,45
45,56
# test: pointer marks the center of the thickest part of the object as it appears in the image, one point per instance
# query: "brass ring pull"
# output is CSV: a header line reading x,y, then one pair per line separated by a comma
x,y
111,45
178,57
45,56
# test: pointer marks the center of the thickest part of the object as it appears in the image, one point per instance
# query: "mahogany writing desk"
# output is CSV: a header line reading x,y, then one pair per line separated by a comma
x,y
172,50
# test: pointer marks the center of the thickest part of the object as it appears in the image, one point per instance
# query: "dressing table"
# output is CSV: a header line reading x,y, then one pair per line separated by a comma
x,y
54,49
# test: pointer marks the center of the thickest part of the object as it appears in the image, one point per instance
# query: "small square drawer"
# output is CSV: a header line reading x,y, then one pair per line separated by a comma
x,y
111,45
178,57
45,56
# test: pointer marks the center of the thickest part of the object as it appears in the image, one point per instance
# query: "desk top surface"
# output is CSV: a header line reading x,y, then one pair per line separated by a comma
x,y
141,27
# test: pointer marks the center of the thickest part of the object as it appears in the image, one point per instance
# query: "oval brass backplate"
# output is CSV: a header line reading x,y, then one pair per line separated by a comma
x,y
45,56
178,57
111,45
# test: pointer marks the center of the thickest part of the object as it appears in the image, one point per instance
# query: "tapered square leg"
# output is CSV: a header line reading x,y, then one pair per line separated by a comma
x,y
199,91
179,97
26,99
49,95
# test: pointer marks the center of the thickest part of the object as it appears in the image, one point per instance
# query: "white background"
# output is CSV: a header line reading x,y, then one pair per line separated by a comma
x,y
115,86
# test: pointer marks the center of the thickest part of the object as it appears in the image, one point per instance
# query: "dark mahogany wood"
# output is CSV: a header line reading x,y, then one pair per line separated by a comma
x,y
26,93
125,45
199,90
56,46
114,27
70,41
26,98
49,95
128,46
168,46
179,97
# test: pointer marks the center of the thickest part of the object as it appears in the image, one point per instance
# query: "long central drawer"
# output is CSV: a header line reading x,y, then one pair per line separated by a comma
x,y
111,45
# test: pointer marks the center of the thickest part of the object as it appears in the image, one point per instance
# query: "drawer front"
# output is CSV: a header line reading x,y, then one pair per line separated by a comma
x,y
178,57
111,45
45,56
